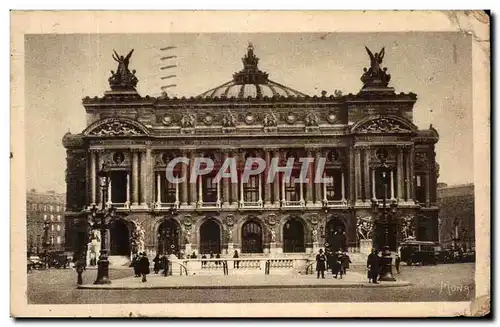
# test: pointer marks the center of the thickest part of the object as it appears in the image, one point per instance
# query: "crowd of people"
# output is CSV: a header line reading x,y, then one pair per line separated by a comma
x,y
339,261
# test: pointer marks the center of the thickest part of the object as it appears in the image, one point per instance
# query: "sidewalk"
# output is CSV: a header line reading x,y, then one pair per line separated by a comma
x,y
351,280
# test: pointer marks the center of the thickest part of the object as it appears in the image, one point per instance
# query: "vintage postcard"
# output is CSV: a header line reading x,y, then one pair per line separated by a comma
x,y
262,164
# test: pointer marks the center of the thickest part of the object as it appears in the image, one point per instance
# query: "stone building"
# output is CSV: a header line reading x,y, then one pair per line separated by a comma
x,y
456,216
252,116
45,209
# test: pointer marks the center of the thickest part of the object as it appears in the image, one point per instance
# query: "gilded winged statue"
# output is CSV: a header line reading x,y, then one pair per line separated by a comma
x,y
123,62
375,59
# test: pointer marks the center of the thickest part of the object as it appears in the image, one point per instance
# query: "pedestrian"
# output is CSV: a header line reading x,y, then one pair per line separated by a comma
x,y
338,264
143,265
203,263
156,264
373,265
345,262
134,265
321,263
165,265
217,257
397,262
193,255
236,263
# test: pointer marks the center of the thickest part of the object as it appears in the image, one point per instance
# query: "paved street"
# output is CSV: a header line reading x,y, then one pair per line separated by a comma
x,y
453,282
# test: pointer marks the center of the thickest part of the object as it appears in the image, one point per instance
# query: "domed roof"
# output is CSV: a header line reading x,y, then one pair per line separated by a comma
x,y
250,82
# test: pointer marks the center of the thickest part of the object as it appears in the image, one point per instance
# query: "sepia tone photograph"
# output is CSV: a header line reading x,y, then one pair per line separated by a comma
x,y
236,167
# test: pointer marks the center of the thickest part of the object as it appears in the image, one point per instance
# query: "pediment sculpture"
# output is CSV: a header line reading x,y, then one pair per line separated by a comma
x,y
116,128
270,120
228,120
383,125
408,227
311,119
123,79
375,76
188,121
364,227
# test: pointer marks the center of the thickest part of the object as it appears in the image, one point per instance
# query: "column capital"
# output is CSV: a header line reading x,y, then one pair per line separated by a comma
x,y
362,147
137,150
97,150
269,149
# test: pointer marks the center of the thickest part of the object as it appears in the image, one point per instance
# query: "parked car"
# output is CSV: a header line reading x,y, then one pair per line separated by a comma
x,y
36,262
418,252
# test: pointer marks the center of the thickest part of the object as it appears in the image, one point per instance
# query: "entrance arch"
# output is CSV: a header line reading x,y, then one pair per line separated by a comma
x,y
336,235
119,243
168,237
293,236
251,236
210,237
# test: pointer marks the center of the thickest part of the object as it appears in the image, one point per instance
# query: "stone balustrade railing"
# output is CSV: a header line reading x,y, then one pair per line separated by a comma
x,y
234,266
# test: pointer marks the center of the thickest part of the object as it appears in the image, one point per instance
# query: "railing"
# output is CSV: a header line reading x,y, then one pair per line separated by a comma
x,y
293,204
216,204
335,203
125,205
251,204
228,266
165,205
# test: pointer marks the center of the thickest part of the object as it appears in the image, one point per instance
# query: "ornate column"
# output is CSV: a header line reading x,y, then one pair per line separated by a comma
x,y
127,202
100,162
143,182
366,178
200,191
427,189
276,183
374,191
267,186
225,183
158,187
357,172
352,180
110,199
317,186
408,178
93,177
392,184
400,172
185,184
310,190
234,187
192,186
412,172
149,173
135,177
343,186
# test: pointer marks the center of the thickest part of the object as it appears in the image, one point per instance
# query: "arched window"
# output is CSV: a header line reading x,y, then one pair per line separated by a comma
x,y
210,237
251,235
293,236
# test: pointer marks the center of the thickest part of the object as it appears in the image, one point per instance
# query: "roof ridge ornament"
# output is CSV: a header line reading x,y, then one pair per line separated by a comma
x,y
250,73
375,76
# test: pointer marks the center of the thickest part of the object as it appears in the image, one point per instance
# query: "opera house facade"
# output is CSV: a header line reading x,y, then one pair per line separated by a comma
x,y
375,155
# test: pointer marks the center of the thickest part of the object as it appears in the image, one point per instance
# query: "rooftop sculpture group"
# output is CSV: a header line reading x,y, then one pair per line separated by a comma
x,y
123,79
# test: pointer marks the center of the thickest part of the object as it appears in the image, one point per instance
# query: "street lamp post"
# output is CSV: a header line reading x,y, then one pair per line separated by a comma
x,y
386,273
99,221
46,243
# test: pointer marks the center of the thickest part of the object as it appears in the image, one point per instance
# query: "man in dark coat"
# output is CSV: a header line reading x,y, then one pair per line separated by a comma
x,y
345,262
156,264
337,264
135,260
373,264
321,263
143,266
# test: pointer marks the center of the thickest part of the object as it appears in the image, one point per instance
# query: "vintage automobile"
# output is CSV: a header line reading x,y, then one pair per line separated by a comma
x,y
35,262
418,252
58,260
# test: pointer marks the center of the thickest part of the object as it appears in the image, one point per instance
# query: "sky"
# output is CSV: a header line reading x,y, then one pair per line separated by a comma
x,y
61,69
